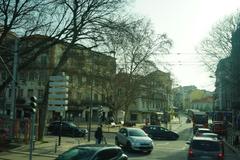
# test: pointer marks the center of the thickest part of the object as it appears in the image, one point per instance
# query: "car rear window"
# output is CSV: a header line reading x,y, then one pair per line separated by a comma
x,y
205,145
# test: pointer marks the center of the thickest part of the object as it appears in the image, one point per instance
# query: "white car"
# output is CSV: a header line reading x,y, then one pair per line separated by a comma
x,y
212,135
134,139
200,131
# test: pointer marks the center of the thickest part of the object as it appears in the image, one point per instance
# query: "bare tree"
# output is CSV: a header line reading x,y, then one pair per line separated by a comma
x,y
218,44
65,21
134,47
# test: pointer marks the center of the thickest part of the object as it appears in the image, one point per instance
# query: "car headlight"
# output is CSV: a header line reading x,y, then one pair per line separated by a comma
x,y
152,143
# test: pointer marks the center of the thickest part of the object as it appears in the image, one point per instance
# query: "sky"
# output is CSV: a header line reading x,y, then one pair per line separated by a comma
x,y
187,23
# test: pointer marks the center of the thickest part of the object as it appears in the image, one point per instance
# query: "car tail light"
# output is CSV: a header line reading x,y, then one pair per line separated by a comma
x,y
190,152
220,155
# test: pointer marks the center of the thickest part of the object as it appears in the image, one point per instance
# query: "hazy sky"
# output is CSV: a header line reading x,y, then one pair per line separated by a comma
x,y
186,22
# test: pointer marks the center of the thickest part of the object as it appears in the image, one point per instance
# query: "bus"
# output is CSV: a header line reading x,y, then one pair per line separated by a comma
x,y
199,119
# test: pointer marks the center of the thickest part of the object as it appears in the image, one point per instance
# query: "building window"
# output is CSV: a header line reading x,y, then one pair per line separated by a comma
x,y
4,75
30,93
31,76
40,93
9,93
133,117
20,93
103,98
43,59
95,97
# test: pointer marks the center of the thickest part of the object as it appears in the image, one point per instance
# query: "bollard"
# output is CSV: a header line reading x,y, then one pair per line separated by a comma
x,y
55,149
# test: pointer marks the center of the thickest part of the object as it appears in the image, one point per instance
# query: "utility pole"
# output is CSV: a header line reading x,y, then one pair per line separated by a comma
x,y
13,86
91,100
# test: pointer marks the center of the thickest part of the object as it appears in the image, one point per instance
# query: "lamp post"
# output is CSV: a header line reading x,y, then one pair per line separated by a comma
x,y
13,86
91,98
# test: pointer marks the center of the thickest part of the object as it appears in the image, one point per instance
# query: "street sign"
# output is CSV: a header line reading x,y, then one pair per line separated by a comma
x,y
58,93
55,90
54,84
58,102
57,108
58,96
59,78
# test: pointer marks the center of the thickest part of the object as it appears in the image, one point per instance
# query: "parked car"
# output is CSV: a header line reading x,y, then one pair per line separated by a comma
x,y
134,139
93,152
212,135
205,148
157,132
218,127
200,131
68,129
196,127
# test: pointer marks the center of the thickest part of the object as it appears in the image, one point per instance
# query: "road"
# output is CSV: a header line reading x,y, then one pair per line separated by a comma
x,y
163,150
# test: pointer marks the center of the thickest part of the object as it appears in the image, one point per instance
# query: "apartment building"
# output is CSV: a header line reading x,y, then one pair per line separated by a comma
x,y
154,98
90,75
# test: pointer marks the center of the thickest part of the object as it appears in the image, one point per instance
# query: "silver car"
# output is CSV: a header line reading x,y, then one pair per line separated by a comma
x,y
134,139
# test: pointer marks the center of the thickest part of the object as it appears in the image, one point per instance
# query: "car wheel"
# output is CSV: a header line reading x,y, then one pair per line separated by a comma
x,y
117,142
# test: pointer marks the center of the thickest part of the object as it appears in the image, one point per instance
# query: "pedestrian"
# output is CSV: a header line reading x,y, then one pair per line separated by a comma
x,y
98,135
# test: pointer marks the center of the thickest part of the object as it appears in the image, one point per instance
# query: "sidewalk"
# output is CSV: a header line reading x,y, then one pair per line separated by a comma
x,y
230,141
50,148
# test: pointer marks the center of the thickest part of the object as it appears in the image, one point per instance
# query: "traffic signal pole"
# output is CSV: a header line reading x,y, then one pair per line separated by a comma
x,y
32,138
60,131
33,105
13,88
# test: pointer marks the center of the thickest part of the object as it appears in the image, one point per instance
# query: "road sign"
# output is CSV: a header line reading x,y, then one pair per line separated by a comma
x,y
57,108
58,93
54,84
58,102
58,96
58,90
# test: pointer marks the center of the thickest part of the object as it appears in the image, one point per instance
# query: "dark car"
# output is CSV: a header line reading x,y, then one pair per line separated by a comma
x,y
68,129
93,152
205,148
157,132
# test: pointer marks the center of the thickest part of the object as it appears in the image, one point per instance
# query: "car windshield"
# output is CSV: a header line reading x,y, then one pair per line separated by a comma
x,y
77,153
135,132
206,145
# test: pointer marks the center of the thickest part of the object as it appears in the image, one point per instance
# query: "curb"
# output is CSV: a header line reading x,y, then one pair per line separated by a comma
x,y
34,154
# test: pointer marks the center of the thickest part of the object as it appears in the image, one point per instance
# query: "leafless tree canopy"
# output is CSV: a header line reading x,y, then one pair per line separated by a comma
x,y
218,44
72,21
134,45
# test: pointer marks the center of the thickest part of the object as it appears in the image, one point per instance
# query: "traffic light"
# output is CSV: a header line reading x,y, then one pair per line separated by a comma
x,y
100,112
31,107
33,103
